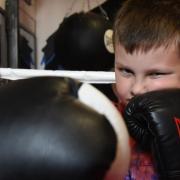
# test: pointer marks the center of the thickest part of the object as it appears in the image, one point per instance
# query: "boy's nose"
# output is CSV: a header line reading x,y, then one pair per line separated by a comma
x,y
138,88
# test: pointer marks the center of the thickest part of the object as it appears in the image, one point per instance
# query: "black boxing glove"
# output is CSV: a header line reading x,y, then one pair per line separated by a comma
x,y
49,131
153,119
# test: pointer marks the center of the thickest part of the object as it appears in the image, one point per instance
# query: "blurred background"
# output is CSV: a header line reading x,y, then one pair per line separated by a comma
x,y
26,26
58,34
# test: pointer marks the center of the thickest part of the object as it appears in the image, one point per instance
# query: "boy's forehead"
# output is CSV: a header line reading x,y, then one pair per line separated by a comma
x,y
171,48
156,56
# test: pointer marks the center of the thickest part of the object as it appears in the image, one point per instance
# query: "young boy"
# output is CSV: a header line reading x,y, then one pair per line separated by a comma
x,y
147,57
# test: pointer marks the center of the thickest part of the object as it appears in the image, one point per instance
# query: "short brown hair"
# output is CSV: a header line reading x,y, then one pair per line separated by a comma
x,y
141,25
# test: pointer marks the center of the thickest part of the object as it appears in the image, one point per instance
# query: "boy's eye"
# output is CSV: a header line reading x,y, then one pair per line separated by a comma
x,y
157,74
125,71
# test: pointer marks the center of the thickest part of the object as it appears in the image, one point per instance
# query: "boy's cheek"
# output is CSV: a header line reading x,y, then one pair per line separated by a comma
x,y
163,83
122,86
122,92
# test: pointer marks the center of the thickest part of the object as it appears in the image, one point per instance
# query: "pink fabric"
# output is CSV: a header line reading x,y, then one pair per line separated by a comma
x,y
141,166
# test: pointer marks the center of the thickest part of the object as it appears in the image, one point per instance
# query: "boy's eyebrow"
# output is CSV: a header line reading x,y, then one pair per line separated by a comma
x,y
120,64
158,70
117,63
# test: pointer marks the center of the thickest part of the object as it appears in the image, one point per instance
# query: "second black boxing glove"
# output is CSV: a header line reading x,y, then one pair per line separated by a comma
x,y
51,129
153,119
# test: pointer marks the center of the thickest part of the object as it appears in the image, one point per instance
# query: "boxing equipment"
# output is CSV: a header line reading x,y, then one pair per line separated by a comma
x,y
80,43
153,119
92,77
55,128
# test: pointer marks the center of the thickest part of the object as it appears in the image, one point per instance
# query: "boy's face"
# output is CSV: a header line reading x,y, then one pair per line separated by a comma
x,y
142,72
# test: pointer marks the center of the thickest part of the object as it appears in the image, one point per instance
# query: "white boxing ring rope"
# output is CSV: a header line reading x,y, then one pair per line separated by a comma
x,y
94,77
